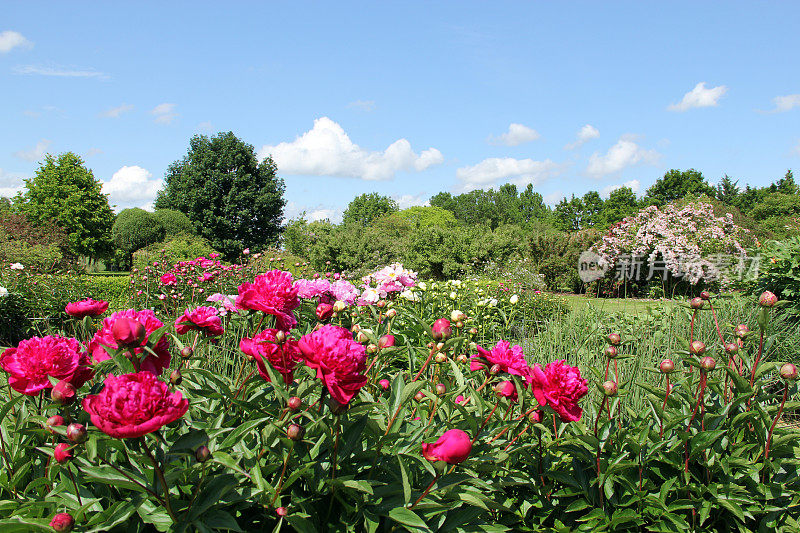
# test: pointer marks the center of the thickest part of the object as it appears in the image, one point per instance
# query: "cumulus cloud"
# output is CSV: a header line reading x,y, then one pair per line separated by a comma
x,y
517,134
700,96
326,150
115,112
59,72
404,201
553,198
35,153
520,172
625,153
586,134
312,214
164,113
12,39
633,185
10,184
363,105
131,185
786,103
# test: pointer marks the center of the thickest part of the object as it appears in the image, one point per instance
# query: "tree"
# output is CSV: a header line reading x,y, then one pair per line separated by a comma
x,y
786,184
592,207
532,206
621,203
366,208
728,191
134,229
233,201
568,213
676,184
63,191
174,222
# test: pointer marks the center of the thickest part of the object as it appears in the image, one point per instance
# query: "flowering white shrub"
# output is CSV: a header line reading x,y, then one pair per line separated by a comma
x,y
689,241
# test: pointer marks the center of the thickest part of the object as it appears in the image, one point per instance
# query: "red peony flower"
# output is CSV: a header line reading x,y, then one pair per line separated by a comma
x,y
62,453
62,522
560,387
87,307
509,358
271,293
133,405
205,319
34,361
105,337
264,348
453,447
338,359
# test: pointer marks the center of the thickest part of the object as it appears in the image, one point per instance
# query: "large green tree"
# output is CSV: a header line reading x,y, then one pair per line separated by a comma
x,y
233,200
64,192
621,203
676,184
366,208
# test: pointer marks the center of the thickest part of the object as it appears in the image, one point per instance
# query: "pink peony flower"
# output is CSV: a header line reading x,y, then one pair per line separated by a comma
x,y
510,358
264,349
312,288
560,387
168,279
339,360
87,307
62,453
104,337
453,447
205,319
133,405
385,384
441,330
35,360
271,293
345,291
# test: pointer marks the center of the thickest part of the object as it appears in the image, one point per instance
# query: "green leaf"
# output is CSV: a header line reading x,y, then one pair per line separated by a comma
x,y
407,517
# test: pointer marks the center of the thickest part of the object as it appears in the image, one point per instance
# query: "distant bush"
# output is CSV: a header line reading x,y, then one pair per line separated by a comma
x,y
178,248
779,271
134,229
37,247
174,222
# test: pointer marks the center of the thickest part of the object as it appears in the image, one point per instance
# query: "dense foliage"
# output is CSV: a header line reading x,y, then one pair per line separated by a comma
x,y
134,229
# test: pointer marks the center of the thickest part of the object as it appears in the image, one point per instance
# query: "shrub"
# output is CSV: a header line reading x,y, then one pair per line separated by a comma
x,y
134,229
174,222
178,248
779,271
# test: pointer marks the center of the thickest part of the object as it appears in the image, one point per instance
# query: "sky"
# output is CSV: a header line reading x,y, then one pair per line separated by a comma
x,y
406,99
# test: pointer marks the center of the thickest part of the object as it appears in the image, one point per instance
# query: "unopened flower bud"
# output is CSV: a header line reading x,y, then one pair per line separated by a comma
x,y
202,454
385,384
667,366
535,417
53,421
175,377
441,388
439,346
696,303
391,313
280,337
459,324
419,396
473,331
361,337
610,352
697,348
708,363
295,432
186,352
462,358
281,511
705,295
614,339
355,328
495,369
441,329
372,348
324,311
440,358
76,433
63,393
610,389
294,403
62,523
339,306
457,316
767,299
387,341
62,453
731,348
789,372
742,330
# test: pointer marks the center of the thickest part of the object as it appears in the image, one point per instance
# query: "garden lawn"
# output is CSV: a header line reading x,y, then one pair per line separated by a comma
x,y
578,302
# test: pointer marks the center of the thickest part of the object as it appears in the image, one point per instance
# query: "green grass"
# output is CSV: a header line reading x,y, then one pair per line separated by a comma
x,y
579,302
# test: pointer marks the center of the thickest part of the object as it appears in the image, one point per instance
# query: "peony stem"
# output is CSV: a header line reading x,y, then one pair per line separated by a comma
x,y
283,472
425,493
663,409
774,423
161,478
486,421
425,364
77,492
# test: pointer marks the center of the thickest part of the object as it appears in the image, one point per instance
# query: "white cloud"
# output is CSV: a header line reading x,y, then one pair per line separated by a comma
x,y
363,105
205,127
699,97
326,150
35,153
586,134
164,113
624,154
517,171
115,112
553,198
633,185
405,201
61,72
311,214
131,185
93,152
517,134
12,39
786,103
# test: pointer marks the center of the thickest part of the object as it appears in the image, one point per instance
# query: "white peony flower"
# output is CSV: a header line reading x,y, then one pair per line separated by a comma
x,y
3,292
409,295
17,266
514,299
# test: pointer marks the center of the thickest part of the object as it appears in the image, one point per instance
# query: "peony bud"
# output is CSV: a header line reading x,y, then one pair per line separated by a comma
x,y
53,421
76,433
514,299
441,388
457,316
610,352
202,454
175,377
294,403
614,339
440,358
742,330
731,347
707,363
62,453
419,396
295,432
495,369
324,311
186,352
128,332
63,393
441,329
705,295
473,331
535,417
789,372
339,306
280,337
385,384
767,299
361,337
281,511
697,348
387,341
610,389
462,358
372,348
440,346
696,303
391,313
381,304
355,328
667,366
62,523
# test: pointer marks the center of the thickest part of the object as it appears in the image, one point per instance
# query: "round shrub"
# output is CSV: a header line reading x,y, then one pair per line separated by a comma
x,y
136,228
174,222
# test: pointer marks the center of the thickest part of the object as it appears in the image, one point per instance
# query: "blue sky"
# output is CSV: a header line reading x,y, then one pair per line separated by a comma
x,y
405,99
